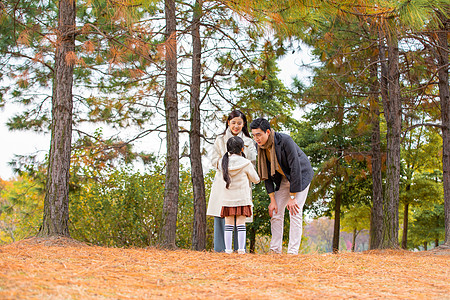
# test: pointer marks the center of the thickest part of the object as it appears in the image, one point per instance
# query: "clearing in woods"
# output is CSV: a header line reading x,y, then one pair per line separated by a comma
x,y
59,268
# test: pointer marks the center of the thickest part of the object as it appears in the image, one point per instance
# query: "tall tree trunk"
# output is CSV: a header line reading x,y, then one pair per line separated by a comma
x,y
56,202
393,116
436,242
376,224
444,95
337,220
198,183
425,246
405,225
170,207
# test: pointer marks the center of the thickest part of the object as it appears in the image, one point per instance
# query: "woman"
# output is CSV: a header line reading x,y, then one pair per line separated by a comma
x,y
236,125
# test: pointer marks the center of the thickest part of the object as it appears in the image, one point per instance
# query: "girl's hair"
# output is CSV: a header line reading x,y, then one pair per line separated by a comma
x,y
238,114
234,146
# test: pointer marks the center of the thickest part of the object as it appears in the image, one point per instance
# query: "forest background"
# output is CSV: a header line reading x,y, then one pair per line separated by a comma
x,y
375,120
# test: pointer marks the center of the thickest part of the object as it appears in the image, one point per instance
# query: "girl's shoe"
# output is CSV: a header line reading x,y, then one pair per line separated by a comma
x,y
241,251
228,251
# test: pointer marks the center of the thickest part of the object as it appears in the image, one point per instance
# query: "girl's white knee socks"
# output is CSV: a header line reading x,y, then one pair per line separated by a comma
x,y
228,238
242,235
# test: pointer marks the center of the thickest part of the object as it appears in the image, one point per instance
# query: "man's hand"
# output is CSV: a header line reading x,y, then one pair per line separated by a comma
x,y
273,207
293,207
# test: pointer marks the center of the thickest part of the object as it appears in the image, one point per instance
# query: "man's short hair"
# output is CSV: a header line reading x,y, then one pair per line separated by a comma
x,y
260,123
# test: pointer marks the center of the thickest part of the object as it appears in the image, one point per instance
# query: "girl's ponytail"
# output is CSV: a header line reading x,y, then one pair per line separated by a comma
x,y
234,146
226,176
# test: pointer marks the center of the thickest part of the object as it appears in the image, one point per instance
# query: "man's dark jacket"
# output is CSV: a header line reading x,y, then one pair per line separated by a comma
x,y
294,163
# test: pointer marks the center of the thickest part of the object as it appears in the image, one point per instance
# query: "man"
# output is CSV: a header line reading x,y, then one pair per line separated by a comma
x,y
287,174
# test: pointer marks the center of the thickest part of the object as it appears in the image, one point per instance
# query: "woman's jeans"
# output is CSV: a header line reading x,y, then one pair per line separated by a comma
x,y
219,232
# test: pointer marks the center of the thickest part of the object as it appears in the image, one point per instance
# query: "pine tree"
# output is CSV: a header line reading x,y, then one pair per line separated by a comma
x,y
170,208
444,94
56,203
198,184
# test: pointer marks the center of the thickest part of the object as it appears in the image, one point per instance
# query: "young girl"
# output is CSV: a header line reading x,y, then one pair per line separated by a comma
x,y
236,125
237,173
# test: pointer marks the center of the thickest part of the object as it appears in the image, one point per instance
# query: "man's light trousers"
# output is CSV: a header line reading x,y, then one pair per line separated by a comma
x,y
296,221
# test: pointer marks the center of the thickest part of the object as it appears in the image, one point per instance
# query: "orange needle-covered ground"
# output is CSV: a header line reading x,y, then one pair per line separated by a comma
x,y
61,268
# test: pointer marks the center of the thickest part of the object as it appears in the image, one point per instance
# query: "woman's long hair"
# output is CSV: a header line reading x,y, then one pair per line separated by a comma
x,y
238,114
234,146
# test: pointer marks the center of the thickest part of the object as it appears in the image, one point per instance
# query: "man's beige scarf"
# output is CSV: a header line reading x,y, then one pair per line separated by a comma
x,y
262,150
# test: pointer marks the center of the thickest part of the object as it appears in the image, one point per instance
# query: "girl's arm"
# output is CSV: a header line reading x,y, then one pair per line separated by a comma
x,y
252,174
250,151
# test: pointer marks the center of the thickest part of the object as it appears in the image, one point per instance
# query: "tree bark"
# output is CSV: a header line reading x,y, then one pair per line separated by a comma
x,y
444,94
56,202
425,246
170,206
405,225
337,220
198,183
393,116
376,224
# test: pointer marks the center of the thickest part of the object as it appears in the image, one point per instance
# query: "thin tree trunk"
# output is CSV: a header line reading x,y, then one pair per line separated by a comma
x,y
56,202
170,206
405,225
425,246
252,239
376,224
198,183
354,239
393,116
436,242
444,95
337,220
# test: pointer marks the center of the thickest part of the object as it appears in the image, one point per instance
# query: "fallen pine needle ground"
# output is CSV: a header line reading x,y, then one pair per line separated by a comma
x,y
60,268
